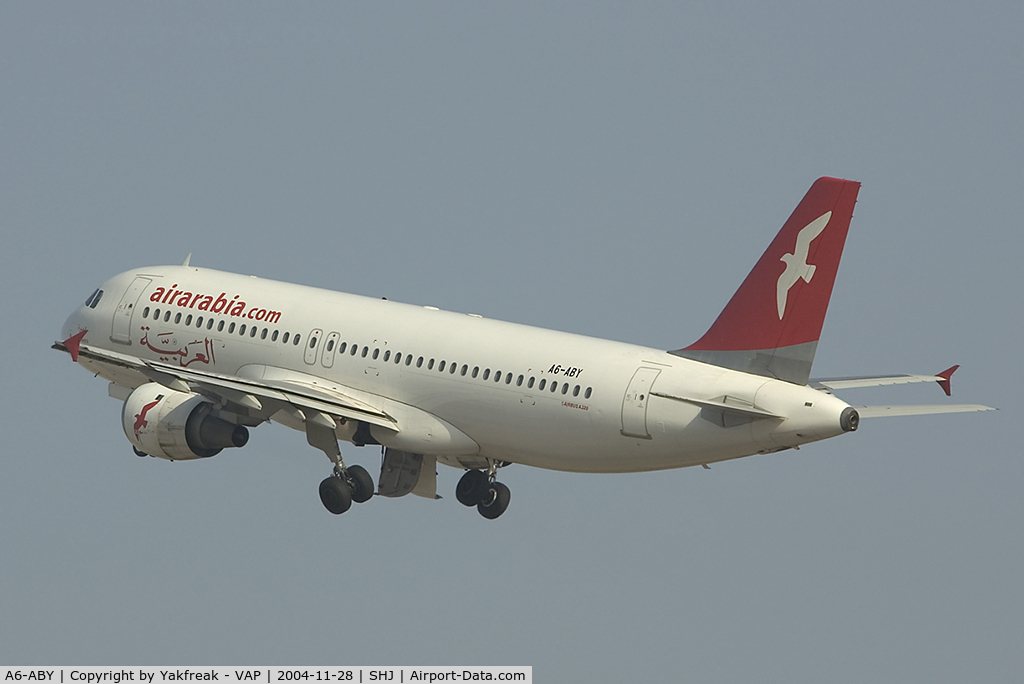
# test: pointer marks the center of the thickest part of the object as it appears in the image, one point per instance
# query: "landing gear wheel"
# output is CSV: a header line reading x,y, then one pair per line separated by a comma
x,y
495,501
472,488
360,482
336,495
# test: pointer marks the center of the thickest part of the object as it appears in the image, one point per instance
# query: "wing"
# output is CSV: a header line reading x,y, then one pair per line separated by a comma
x,y
253,393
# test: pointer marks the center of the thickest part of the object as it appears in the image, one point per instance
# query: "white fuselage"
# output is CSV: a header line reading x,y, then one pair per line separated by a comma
x,y
498,404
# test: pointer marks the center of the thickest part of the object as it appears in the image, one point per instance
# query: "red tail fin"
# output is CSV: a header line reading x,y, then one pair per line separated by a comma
x,y
772,324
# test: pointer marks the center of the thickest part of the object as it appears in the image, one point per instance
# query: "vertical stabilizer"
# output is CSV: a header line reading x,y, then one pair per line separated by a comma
x,y
772,324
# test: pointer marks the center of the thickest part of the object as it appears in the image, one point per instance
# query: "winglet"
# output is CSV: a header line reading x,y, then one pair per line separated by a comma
x,y
72,344
187,259
944,382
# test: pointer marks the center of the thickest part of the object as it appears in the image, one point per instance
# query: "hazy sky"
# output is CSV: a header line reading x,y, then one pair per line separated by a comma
x,y
607,169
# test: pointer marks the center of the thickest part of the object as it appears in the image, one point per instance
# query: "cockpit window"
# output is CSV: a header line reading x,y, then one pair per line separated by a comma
x,y
94,299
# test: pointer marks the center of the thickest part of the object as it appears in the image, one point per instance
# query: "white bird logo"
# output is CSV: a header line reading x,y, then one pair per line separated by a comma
x,y
796,263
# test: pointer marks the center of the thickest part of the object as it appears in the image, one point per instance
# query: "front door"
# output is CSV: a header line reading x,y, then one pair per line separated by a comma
x,y
121,331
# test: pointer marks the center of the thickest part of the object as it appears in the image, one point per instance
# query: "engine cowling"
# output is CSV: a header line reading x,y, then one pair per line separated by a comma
x,y
178,426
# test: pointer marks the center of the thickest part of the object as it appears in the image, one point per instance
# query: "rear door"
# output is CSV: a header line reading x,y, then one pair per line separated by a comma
x,y
634,403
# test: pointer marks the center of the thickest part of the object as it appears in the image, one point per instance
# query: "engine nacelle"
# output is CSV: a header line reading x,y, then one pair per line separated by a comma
x,y
177,426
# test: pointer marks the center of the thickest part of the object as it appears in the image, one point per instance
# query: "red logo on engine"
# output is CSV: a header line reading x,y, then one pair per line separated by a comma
x,y
140,417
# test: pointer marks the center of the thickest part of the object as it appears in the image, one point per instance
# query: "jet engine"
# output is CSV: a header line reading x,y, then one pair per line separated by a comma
x,y
178,426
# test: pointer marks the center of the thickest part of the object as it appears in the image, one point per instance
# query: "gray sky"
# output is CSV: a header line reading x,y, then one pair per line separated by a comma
x,y
612,170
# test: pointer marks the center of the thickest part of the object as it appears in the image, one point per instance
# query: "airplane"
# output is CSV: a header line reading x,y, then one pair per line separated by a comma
x,y
200,356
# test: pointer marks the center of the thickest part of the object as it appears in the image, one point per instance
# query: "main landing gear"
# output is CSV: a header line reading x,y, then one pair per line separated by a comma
x,y
478,488
344,486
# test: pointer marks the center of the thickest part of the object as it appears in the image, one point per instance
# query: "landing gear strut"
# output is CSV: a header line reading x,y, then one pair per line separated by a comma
x,y
479,488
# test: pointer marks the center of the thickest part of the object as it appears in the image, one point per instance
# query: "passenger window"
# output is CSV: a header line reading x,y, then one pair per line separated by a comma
x,y
542,383
156,315
440,367
343,347
376,353
273,338
508,379
430,364
408,359
167,317
519,381
530,383
576,391
188,319
476,371
284,339
199,322
252,331
497,376
330,345
355,348
231,328
487,373
145,312
177,319
586,395
554,386
209,324
465,368
419,362
398,358
366,350
387,355
565,387
312,342
220,326
263,335
455,367
295,340
242,329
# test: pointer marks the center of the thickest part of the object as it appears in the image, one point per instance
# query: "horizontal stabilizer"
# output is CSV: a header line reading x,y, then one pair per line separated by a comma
x,y
942,378
920,410
725,405
881,381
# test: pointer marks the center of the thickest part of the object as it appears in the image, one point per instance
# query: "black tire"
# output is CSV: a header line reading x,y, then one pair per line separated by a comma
x,y
140,454
472,487
336,495
361,483
495,502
